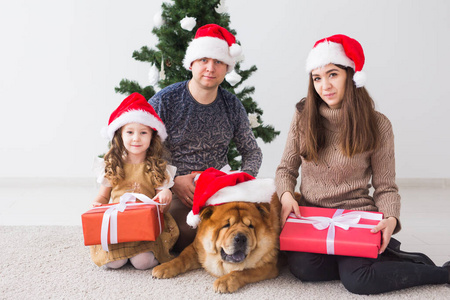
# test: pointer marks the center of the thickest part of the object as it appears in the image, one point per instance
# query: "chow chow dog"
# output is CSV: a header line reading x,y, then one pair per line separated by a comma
x,y
238,242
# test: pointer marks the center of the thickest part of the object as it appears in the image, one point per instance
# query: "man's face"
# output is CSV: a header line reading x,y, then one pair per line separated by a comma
x,y
208,73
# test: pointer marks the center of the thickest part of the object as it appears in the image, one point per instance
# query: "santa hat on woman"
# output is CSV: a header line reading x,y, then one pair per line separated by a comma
x,y
338,49
134,109
213,41
215,187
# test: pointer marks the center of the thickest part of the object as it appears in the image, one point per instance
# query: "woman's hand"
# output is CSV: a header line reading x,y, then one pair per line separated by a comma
x,y
386,226
288,205
184,188
164,196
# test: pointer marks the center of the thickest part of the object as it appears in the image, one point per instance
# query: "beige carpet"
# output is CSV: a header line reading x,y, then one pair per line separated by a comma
x,y
51,262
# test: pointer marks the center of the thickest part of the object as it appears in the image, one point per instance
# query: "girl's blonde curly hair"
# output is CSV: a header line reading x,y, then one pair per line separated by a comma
x,y
155,164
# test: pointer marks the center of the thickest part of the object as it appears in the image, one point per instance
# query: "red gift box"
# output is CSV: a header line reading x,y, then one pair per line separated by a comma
x,y
332,231
127,221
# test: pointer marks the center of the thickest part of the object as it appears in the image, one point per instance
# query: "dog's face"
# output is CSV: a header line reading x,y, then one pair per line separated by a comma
x,y
235,236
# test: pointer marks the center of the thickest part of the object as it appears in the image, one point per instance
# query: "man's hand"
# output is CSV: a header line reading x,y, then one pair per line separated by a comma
x,y
184,188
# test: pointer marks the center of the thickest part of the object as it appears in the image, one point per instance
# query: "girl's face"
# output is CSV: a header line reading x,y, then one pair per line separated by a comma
x,y
329,83
136,139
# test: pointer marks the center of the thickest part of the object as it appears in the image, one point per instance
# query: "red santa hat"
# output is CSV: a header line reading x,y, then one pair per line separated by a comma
x,y
134,109
213,41
341,50
215,187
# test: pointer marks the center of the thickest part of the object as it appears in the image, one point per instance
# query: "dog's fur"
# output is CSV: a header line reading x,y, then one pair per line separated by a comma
x,y
237,242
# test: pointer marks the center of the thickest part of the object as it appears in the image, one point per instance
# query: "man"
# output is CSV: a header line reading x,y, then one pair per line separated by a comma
x,y
202,118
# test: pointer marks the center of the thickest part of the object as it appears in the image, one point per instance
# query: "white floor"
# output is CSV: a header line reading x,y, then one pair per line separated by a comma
x,y
425,211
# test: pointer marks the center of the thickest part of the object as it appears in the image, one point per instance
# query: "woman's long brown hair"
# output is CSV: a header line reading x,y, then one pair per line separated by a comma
x,y
358,128
155,165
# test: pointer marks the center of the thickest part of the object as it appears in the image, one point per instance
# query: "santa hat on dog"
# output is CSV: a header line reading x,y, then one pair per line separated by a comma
x,y
215,187
134,109
213,41
338,49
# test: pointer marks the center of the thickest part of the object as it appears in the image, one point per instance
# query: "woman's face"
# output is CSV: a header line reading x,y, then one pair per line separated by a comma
x,y
329,83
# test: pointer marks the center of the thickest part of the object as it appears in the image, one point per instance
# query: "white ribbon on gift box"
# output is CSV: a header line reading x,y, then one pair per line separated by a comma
x,y
344,221
110,216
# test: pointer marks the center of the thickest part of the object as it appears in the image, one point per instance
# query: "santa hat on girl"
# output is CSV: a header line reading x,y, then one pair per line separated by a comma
x,y
215,187
213,41
134,109
338,49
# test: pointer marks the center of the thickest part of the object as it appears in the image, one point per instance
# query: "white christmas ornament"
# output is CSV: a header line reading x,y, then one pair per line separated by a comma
x,y
253,118
153,75
233,78
162,74
158,20
188,23
221,8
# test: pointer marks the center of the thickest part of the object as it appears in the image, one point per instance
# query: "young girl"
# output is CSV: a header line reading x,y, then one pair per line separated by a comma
x,y
133,164
342,143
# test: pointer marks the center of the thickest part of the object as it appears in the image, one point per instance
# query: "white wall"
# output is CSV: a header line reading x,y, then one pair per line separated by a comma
x,y
60,62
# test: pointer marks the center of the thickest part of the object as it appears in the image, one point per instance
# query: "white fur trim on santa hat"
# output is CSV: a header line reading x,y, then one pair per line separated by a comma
x,y
326,53
136,116
209,47
253,191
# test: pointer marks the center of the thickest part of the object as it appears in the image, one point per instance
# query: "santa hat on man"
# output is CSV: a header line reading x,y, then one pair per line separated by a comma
x,y
213,41
215,187
338,49
134,109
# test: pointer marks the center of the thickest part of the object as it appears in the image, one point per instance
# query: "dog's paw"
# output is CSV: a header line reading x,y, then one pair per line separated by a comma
x,y
227,284
164,271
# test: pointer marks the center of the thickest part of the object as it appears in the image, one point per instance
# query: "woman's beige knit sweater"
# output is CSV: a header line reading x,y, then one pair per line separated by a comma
x,y
337,181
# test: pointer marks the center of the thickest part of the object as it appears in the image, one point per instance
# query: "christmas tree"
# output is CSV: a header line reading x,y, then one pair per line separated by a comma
x,y
175,27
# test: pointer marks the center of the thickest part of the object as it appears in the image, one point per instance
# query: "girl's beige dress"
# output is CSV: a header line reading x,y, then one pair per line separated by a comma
x,y
137,181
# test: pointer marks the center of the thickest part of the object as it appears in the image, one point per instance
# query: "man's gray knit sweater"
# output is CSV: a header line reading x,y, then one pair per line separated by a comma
x,y
199,135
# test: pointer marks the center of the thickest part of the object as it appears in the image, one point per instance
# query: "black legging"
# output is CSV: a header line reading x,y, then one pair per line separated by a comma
x,y
364,275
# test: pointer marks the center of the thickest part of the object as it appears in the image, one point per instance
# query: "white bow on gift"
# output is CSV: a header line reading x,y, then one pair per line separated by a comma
x,y
110,216
344,221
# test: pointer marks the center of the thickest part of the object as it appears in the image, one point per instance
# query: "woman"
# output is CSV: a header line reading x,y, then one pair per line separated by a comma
x,y
342,144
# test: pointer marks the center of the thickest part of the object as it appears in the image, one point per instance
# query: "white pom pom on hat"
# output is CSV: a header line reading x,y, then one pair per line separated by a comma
x,y
215,187
213,41
341,50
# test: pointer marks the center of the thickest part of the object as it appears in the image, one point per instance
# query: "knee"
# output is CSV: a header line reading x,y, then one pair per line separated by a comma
x,y
301,267
356,287
117,263
144,261
359,281
300,272
358,276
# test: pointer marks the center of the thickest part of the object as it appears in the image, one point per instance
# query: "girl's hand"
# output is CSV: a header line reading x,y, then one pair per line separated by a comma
x,y
164,196
103,196
288,205
184,188
387,227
